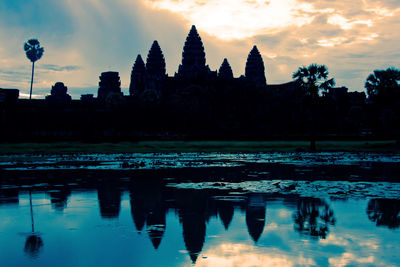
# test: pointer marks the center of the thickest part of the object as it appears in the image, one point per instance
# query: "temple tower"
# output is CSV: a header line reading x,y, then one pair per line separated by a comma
x,y
225,71
255,71
155,64
109,84
193,56
138,77
59,93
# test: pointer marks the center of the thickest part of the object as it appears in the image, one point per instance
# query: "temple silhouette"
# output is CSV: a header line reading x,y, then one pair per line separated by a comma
x,y
149,80
197,103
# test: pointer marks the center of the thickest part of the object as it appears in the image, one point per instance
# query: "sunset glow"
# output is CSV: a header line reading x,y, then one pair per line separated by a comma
x,y
228,19
83,38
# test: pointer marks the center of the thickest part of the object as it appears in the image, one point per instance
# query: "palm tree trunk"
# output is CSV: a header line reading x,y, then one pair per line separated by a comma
x,y
33,69
312,128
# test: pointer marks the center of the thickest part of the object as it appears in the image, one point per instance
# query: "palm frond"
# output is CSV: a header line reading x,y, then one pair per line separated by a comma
x,y
313,79
33,50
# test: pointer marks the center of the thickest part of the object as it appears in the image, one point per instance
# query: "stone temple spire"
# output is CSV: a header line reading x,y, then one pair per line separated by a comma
x,y
193,56
255,70
138,75
225,71
155,64
109,84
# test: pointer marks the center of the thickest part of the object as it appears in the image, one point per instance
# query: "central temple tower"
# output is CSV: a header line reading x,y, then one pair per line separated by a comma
x,y
193,57
255,70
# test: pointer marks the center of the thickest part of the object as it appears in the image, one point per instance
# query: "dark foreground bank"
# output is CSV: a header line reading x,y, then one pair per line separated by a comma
x,y
197,146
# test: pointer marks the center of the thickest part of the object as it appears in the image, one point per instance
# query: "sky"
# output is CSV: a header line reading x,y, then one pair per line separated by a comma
x,y
83,38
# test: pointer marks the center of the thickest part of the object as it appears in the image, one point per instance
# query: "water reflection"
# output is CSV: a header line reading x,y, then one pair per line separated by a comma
x,y
9,196
248,222
255,215
313,217
385,212
109,195
33,245
34,242
225,211
148,208
192,208
139,209
59,198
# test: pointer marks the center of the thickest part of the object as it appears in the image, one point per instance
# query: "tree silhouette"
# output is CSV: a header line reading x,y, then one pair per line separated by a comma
x,y
33,52
385,212
313,80
383,85
313,217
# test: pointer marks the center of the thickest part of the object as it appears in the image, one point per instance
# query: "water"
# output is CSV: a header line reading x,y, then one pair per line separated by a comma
x,y
149,224
273,209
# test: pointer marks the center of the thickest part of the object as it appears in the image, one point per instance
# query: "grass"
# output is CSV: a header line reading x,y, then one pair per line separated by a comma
x,y
196,146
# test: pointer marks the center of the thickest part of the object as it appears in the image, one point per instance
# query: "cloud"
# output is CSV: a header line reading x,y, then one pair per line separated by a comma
x,y
328,33
7,73
53,67
235,19
236,254
280,246
357,250
12,78
84,38
98,36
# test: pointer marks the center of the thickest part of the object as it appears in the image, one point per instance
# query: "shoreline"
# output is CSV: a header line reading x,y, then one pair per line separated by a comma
x,y
386,146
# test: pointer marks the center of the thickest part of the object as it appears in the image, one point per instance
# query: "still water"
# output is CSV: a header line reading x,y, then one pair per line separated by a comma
x,y
126,222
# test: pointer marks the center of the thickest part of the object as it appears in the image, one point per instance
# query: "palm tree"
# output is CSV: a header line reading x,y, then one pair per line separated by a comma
x,y
33,52
383,86
313,80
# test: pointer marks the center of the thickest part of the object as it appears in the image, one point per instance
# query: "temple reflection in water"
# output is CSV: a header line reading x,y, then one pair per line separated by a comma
x,y
150,201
